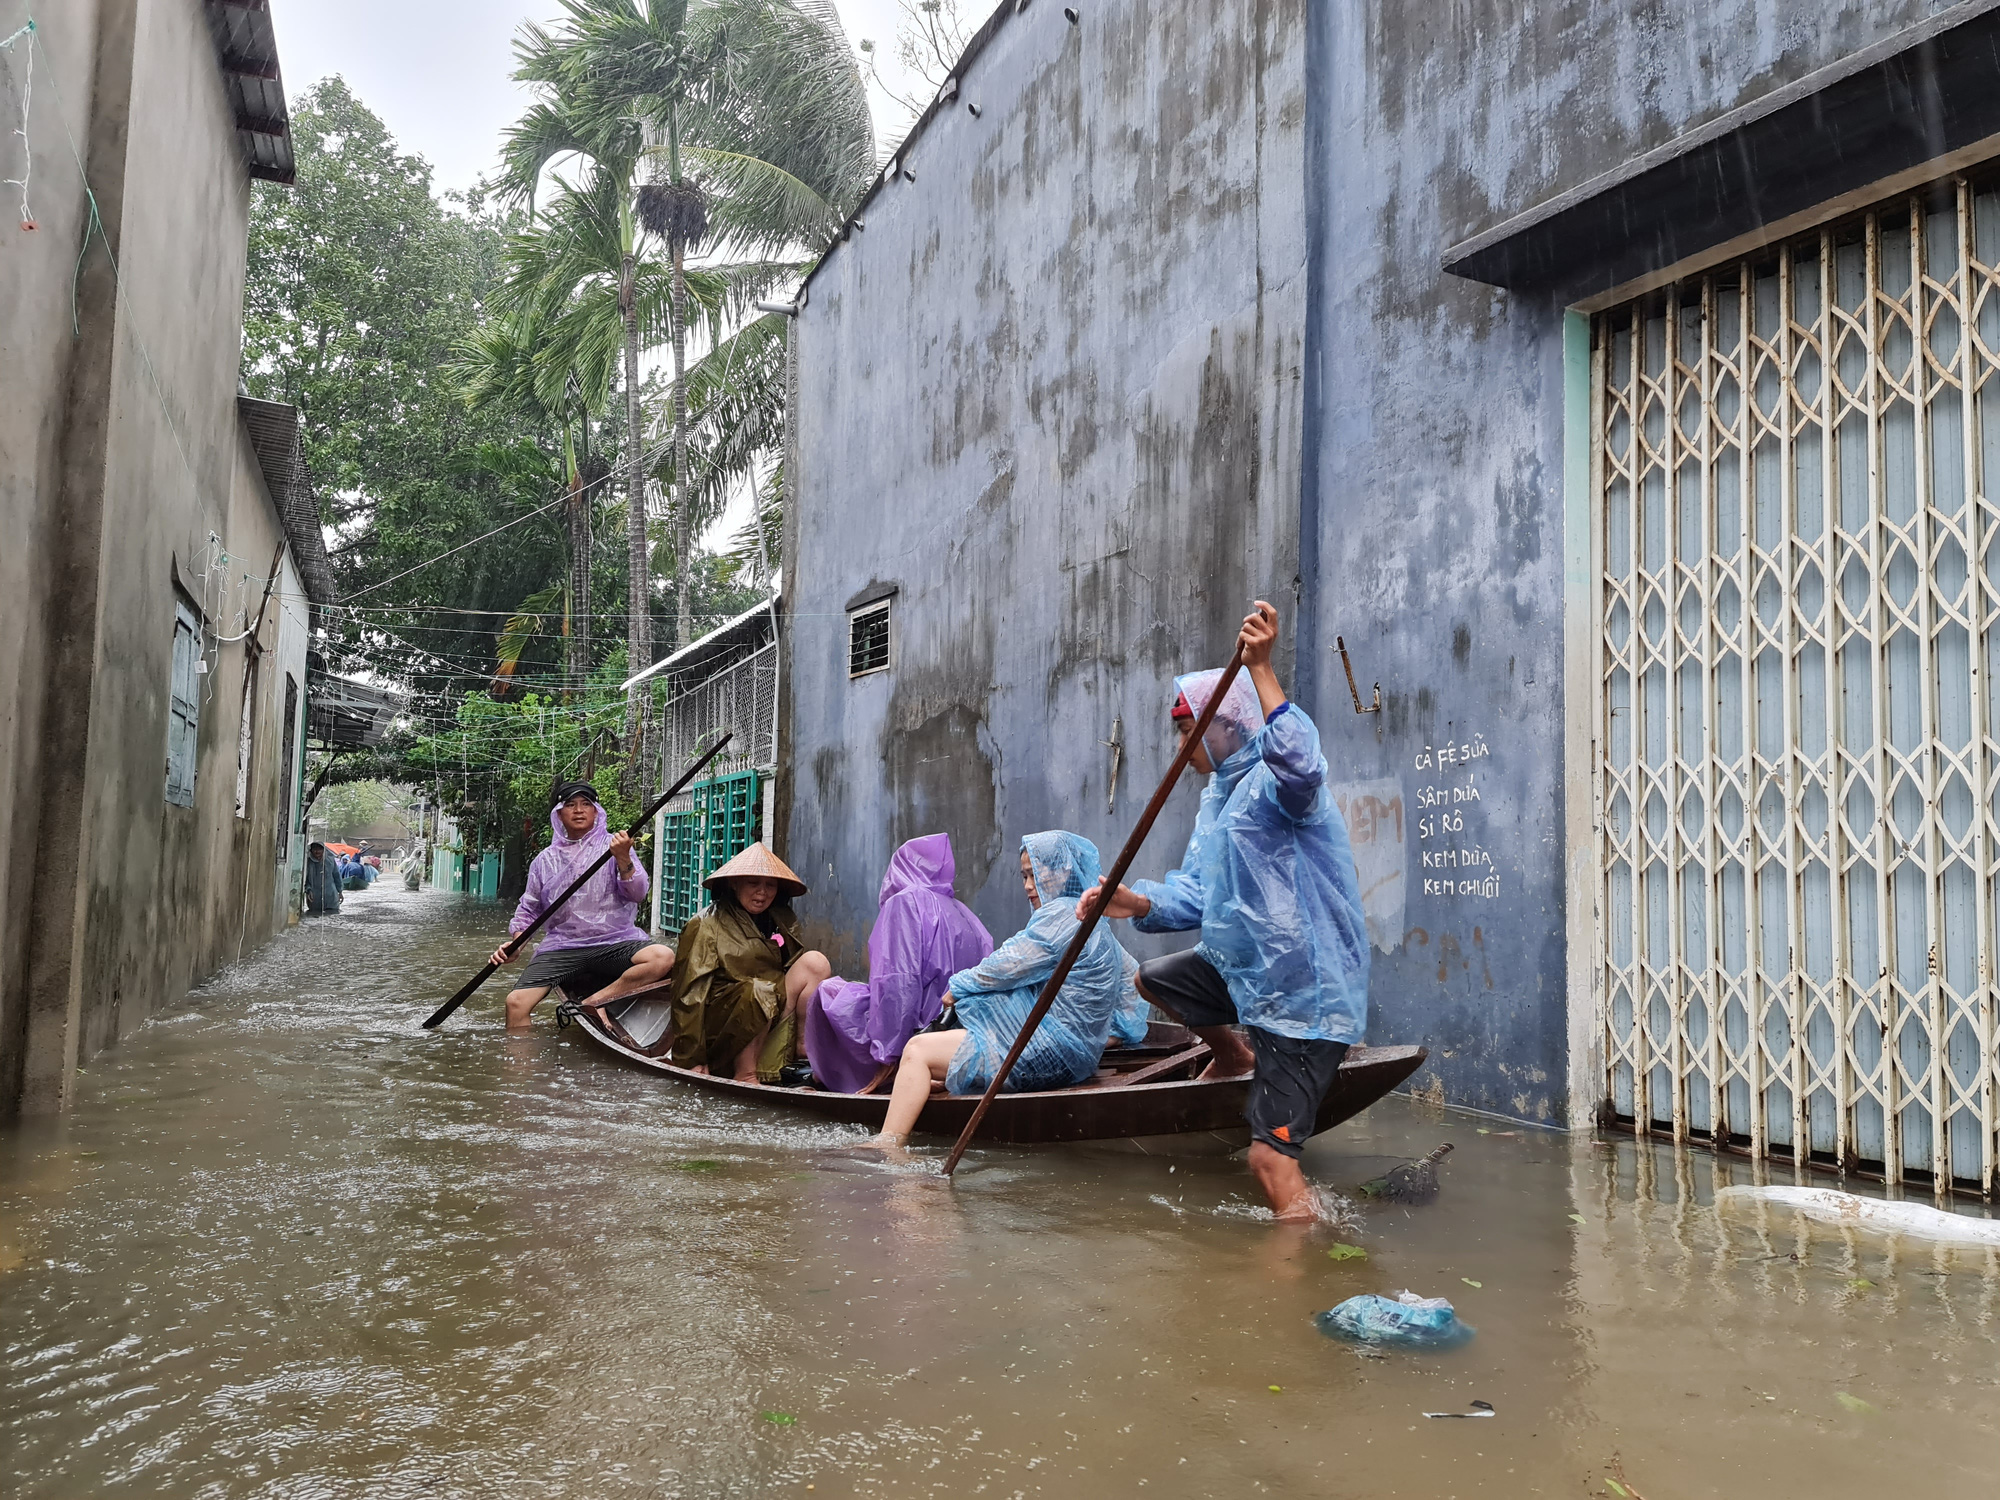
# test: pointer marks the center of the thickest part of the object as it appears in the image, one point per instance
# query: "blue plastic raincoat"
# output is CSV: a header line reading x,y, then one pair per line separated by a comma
x,y
994,998
1268,876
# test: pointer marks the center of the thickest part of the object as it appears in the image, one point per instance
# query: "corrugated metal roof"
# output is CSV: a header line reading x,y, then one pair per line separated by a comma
x,y
274,435
346,714
246,48
745,633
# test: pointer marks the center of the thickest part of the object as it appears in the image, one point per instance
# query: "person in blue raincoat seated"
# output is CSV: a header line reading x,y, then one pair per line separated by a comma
x,y
1269,880
1097,1004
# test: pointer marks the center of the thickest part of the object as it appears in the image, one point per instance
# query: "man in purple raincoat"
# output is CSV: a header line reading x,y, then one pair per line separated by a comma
x,y
591,946
922,937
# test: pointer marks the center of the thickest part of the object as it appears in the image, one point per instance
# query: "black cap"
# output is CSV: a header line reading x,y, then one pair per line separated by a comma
x,y
571,789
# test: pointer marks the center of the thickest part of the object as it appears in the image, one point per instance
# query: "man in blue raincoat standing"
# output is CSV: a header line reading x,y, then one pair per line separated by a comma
x,y
1269,880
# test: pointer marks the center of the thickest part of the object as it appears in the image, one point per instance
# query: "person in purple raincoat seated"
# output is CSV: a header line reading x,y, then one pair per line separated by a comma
x,y
856,1031
591,946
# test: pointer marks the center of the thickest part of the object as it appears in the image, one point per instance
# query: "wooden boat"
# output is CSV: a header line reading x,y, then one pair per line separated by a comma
x,y
1148,1090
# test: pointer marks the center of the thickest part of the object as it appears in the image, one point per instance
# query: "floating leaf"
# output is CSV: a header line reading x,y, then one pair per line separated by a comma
x,y
1853,1403
1347,1252
1617,1489
1861,1283
1470,1282
1579,1219
1484,1131
1274,1388
780,1418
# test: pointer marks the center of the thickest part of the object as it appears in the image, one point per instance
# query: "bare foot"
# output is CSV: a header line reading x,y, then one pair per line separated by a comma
x,y
1230,1056
749,1077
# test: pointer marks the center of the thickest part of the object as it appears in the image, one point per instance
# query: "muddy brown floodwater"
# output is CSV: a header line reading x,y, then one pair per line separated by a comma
x,y
288,1244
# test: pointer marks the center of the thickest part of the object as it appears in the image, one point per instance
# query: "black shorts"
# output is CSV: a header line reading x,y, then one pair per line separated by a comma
x,y
1292,1076
581,972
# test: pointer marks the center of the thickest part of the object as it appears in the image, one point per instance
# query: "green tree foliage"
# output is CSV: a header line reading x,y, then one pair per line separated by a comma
x,y
356,806
748,122
465,370
363,286
495,765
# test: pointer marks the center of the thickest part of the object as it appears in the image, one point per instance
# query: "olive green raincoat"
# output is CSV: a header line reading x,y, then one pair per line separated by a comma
x,y
729,983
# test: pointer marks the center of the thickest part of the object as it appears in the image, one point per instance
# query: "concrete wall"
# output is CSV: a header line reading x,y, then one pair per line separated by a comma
x,y
37,360
1435,448
1051,391
139,483
287,645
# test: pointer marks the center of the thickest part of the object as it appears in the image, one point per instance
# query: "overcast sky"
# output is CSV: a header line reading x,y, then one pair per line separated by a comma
x,y
437,70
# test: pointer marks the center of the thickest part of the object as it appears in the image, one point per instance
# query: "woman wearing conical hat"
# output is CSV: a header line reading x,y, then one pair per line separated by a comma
x,y
743,973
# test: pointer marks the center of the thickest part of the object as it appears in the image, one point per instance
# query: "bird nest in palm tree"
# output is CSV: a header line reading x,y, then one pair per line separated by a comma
x,y
676,211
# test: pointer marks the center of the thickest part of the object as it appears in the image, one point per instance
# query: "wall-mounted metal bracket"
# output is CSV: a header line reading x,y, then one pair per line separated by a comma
x,y
1354,691
1116,745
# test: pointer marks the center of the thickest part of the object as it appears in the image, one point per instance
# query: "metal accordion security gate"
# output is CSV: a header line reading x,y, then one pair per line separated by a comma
x,y
1797,798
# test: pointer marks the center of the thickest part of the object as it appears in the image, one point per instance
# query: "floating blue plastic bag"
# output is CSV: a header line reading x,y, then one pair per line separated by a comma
x,y
1410,1321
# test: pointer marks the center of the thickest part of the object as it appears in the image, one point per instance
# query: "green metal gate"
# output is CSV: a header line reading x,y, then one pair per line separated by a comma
x,y
718,824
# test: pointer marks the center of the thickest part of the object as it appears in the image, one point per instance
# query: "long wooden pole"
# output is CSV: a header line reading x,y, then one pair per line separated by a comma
x,y
443,1012
1089,924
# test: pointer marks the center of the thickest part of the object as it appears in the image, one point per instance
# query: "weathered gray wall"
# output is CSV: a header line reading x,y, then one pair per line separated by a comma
x,y
36,358
1052,391
1435,446
137,476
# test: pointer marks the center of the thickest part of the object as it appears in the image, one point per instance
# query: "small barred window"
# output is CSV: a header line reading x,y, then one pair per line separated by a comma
x,y
868,640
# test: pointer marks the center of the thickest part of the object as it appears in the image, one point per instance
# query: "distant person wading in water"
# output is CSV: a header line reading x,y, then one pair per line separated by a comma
x,y
322,880
1269,880
591,946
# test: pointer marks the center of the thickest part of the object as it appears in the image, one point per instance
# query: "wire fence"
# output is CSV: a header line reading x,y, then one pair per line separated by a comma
x,y
743,699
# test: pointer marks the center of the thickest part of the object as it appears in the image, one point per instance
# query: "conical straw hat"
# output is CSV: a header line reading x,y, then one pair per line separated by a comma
x,y
757,862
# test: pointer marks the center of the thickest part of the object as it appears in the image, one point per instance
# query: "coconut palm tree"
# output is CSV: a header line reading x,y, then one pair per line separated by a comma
x,y
586,251
751,121
570,304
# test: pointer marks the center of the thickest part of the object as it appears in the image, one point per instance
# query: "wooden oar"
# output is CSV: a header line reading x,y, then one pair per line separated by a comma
x,y
1089,924
513,944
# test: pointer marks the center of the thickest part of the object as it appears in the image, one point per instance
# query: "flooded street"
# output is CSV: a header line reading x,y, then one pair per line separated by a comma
x,y
288,1244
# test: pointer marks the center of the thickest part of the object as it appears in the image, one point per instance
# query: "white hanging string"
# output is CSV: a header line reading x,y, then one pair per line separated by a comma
x,y
27,102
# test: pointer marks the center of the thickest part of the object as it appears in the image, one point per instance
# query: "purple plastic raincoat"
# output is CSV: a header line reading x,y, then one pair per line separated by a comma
x,y
921,938
602,911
